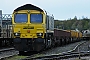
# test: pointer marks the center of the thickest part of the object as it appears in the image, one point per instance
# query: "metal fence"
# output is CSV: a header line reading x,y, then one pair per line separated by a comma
x,y
5,26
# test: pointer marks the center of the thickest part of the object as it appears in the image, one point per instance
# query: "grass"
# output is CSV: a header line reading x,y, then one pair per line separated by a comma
x,y
16,58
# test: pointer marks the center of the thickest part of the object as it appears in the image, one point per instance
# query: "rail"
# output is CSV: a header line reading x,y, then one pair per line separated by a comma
x,y
64,55
7,52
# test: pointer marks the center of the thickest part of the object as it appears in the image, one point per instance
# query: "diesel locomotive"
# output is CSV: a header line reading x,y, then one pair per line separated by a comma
x,y
33,30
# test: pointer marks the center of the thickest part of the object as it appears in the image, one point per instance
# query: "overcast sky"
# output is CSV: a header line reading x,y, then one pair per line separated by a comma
x,y
61,9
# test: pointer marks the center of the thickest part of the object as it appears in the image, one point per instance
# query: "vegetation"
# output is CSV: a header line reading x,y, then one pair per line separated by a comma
x,y
15,58
72,24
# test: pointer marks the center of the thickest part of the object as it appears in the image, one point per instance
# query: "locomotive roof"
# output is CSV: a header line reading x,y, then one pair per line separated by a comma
x,y
28,7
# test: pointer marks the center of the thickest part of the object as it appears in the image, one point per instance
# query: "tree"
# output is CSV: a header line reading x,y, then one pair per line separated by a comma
x,y
75,18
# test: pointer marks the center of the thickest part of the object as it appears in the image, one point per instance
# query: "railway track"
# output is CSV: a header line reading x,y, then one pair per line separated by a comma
x,y
64,55
7,52
71,51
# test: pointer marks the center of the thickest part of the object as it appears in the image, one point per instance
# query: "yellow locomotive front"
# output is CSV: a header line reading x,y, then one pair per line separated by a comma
x,y
29,28
28,24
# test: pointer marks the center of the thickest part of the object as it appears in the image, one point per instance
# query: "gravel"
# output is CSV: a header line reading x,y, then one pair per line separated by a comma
x,y
61,49
8,54
84,47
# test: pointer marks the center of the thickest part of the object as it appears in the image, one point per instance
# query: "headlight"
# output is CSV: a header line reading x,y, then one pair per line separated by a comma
x,y
16,34
39,34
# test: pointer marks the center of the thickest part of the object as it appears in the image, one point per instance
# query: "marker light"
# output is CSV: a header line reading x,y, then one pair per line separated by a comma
x,y
28,31
16,34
